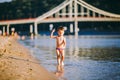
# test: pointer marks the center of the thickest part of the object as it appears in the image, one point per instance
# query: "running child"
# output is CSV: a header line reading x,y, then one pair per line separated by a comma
x,y
60,44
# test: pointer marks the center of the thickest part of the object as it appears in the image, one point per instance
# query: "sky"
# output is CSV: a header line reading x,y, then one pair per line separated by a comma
x,y
1,1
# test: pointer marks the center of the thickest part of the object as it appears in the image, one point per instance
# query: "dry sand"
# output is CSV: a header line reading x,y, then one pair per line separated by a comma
x,y
16,63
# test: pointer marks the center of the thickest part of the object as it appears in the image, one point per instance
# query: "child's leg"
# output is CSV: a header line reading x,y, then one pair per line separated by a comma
x,y
58,57
62,57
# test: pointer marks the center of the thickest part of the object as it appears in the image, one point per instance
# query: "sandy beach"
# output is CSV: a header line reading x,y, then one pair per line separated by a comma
x,y
16,63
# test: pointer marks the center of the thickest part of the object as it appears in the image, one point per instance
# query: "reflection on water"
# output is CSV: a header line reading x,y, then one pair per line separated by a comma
x,y
60,72
112,53
85,58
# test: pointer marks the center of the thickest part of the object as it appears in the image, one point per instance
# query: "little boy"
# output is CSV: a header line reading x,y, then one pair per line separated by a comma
x,y
60,44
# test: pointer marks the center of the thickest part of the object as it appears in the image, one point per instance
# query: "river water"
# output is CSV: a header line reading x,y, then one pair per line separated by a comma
x,y
86,58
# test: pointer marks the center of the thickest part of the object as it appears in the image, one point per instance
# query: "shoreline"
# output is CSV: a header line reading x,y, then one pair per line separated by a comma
x,y
16,63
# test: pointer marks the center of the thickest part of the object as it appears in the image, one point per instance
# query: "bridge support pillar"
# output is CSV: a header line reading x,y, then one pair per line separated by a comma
x,y
8,31
76,28
31,28
35,28
76,21
3,30
71,28
50,27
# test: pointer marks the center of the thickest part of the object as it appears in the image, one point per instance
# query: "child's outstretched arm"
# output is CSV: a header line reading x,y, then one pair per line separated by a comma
x,y
51,35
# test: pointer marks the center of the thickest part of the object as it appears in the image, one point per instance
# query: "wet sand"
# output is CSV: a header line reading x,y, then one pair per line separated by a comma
x,y
16,63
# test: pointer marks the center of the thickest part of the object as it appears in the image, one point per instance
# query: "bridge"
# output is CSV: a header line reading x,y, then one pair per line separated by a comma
x,y
68,11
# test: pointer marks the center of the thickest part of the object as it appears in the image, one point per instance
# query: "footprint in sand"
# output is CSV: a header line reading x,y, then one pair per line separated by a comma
x,y
5,50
